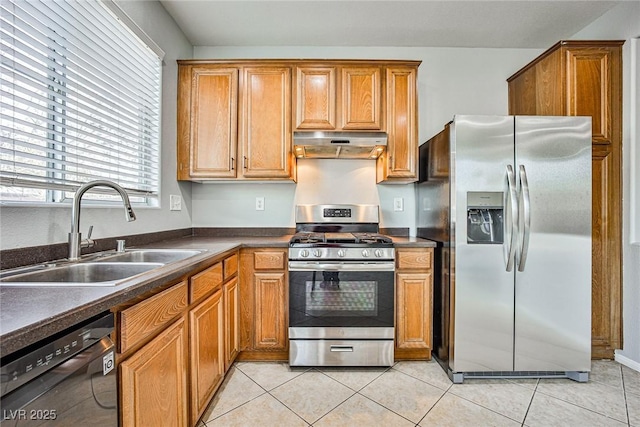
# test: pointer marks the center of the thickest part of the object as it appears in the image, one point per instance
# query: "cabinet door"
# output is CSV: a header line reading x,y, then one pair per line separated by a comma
x,y
413,308
402,147
315,98
361,99
206,323
214,106
266,123
153,386
270,322
231,325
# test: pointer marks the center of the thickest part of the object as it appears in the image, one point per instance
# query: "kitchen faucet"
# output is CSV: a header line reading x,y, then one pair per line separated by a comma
x,y
75,237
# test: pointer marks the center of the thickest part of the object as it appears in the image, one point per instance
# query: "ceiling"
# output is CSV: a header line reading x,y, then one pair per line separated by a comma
x,y
427,23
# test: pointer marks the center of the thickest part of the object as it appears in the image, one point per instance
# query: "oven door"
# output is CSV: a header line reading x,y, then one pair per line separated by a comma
x,y
341,300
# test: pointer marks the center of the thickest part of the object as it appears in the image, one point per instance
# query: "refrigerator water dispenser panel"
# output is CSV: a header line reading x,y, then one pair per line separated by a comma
x,y
485,217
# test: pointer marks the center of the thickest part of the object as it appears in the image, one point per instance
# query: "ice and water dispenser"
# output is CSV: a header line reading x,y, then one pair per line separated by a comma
x,y
485,217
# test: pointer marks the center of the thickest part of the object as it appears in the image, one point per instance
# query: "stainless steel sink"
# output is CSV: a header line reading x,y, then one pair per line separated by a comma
x,y
81,274
164,256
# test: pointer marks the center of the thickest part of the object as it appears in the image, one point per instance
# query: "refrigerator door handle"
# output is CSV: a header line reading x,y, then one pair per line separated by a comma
x,y
525,200
511,201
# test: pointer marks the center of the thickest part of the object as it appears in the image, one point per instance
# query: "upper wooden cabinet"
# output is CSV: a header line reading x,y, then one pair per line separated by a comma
x,y
401,162
584,78
236,118
361,98
234,121
352,92
207,123
315,97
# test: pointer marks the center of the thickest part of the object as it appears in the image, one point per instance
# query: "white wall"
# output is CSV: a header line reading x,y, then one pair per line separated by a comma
x,y
450,81
32,226
623,23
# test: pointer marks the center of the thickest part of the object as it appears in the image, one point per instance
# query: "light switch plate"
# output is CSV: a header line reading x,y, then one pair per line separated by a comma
x,y
259,203
398,204
175,202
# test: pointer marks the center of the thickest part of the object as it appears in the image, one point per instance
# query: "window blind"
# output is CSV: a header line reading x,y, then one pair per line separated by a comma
x,y
80,98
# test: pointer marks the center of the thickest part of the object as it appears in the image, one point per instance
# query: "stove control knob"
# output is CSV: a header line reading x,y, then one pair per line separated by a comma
x,y
317,253
341,253
365,253
378,253
304,253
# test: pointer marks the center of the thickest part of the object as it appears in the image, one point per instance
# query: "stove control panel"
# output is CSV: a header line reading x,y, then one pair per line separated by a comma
x,y
336,213
371,254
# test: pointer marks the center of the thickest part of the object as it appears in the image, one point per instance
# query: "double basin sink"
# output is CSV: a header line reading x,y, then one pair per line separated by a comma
x,y
105,269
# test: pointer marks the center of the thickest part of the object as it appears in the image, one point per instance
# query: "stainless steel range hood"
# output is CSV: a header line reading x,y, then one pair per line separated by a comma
x,y
339,145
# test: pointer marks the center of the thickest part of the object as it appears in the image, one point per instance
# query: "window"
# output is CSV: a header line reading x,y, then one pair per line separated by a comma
x,y
80,97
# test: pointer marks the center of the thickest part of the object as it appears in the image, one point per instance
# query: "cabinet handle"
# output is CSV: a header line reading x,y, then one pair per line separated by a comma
x,y
233,163
244,162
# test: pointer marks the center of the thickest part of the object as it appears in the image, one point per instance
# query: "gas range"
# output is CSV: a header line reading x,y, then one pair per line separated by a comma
x,y
341,288
339,232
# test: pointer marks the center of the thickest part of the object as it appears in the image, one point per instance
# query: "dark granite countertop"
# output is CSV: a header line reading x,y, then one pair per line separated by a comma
x,y
29,314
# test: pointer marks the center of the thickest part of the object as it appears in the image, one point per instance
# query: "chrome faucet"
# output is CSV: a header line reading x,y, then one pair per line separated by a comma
x,y
75,237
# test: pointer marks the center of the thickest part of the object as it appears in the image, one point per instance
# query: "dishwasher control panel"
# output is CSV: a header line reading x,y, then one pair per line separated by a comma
x,y
51,352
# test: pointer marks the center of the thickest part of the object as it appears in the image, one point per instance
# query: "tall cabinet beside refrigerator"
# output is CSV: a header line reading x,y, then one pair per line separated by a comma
x,y
508,199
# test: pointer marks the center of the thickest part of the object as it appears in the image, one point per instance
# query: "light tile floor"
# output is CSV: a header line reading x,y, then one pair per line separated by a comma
x,y
419,394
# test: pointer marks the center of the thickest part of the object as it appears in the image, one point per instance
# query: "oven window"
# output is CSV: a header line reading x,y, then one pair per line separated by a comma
x,y
341,298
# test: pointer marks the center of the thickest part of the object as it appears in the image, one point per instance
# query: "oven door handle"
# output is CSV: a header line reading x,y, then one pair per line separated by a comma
x,y
340,266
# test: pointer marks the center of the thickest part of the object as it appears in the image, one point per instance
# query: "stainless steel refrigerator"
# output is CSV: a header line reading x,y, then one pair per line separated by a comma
x,y
508,199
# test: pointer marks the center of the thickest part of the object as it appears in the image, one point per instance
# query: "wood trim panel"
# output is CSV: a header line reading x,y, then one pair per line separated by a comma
x,y
270,311
205,282
214,122
184,124
414,258
589,89
606,305
230,266
315,98
270,260
548,100
206,331
153,381
361,98
402,113
266,138
151,315
231,322
413,310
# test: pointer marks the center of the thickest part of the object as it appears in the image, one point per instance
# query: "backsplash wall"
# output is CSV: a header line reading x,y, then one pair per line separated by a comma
x,y
320,181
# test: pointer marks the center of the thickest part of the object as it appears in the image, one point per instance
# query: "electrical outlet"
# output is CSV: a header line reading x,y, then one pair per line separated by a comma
x,y
175,202
398,204
259,203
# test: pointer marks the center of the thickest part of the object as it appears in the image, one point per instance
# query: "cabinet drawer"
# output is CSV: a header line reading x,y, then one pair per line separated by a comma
x,y
206,281
149,316
269,260
230,266
414,259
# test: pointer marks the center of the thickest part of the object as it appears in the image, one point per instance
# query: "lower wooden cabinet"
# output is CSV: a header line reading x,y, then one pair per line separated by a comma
x,y
175,346
264,304
206,351
414,305
153,388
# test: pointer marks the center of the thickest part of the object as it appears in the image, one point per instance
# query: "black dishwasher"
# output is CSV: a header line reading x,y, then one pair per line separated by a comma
x,y
68,379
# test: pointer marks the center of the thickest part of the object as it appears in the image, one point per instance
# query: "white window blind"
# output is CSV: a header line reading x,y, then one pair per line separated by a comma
x,y
80,97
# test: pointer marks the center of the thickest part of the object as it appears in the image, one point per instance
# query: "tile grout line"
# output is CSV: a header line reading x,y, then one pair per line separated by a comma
x,y
624,394
533,395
